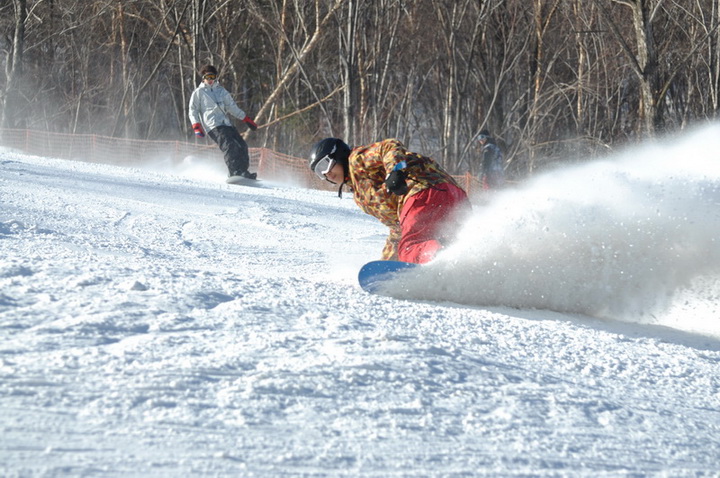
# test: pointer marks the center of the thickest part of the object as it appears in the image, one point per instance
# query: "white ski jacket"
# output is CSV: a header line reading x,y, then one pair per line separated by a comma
x,y
210,106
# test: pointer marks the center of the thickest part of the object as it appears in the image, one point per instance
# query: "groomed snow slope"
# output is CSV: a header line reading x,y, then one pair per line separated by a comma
x,y
157,324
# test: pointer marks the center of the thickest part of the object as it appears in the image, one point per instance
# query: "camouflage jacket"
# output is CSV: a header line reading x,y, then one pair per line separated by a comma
x,y
368,168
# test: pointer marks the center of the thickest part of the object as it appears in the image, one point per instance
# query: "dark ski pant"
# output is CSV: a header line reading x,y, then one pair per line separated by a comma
x,y
234,147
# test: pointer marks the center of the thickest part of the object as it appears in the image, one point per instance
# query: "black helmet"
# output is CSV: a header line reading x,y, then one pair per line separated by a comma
x,y
331,149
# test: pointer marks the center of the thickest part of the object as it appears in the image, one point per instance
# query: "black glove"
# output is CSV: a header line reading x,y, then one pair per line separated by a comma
x,y
395,182
251,124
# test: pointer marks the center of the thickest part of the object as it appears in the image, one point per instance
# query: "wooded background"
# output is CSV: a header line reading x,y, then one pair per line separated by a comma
x,y
553,80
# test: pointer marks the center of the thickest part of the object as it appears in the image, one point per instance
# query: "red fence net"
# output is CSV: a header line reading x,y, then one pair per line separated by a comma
x,y
269,164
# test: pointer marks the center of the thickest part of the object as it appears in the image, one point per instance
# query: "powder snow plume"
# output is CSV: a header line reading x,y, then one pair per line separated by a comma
x,y
634,237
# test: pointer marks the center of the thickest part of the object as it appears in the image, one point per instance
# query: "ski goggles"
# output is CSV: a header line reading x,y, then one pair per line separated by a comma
x,y
323,166
209,77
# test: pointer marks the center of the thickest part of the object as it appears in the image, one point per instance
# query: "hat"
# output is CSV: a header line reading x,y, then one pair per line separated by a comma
x,y
208,70
484,134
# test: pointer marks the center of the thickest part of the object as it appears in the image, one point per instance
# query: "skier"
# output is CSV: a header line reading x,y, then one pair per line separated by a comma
x,y
491,173
411,194
210,105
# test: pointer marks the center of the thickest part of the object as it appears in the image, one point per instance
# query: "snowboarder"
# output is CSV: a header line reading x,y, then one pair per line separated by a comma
x,y
210,105
492,175
410,193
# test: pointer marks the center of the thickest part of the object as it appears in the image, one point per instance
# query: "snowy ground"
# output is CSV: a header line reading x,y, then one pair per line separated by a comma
x,y
166,324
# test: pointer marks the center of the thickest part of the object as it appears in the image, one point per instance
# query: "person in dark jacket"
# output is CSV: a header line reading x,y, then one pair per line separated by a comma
x,y
492,174
209,110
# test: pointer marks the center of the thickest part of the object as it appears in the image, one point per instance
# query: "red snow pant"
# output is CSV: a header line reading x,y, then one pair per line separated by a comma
x,y
428,219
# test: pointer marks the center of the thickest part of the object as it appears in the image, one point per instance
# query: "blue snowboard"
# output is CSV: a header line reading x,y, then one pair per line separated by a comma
x,y
374,274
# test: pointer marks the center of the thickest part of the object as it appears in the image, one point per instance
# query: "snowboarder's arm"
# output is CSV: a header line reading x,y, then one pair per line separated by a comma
x,y
194,112
231,107
393,152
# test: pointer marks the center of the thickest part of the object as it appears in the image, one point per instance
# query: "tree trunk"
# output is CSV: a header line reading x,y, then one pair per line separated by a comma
x,y
645,62
714,41
349,59
542,18
11,111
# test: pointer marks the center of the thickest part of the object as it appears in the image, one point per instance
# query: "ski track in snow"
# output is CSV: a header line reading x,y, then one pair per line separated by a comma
x,y
152,324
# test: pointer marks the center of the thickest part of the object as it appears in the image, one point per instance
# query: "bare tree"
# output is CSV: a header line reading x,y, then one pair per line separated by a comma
x,y
644,60
552,79
11,115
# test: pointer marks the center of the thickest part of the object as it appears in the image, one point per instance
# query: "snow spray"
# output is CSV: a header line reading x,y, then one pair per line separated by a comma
x,y
633,237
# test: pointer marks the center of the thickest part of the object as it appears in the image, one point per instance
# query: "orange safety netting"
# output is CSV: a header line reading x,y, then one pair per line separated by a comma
x,y
269,164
